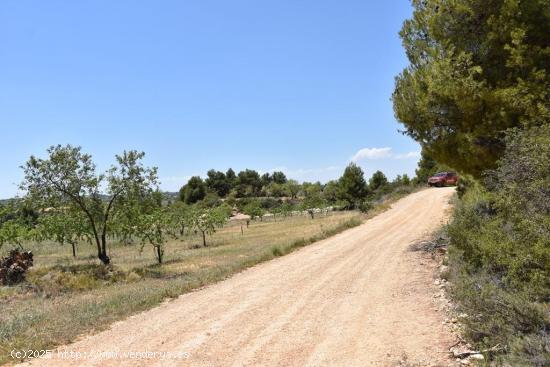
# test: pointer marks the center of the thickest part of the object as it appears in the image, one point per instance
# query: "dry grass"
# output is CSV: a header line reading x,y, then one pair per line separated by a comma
x,y
226,241
66,297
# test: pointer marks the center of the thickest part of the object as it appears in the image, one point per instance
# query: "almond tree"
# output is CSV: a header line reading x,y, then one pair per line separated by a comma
x,y
154,228
254,210
16,227
13,232
207,221
68,179
180,216
63,227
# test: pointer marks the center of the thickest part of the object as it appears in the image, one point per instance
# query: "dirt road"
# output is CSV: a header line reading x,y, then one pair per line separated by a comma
x,y
361,298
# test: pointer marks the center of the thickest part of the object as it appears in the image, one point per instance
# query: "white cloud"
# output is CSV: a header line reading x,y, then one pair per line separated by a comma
x,y
414,154
381,153
371,153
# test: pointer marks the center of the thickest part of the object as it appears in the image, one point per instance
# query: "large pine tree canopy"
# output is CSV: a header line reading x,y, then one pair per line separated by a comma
x,y
477,68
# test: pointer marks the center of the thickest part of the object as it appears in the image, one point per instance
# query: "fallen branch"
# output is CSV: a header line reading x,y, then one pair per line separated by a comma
x,y
497,348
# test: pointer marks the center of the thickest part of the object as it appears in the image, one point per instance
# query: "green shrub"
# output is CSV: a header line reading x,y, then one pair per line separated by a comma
x,y
464,183
276,251
365,206
531,350
270,203
500,252
211,200
243,202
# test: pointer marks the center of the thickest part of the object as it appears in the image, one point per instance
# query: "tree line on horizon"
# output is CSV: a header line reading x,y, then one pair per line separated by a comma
x,y
350,188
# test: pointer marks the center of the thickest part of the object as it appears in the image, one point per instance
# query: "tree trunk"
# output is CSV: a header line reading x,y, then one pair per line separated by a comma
x,y
204,239
102,251
242,231
102,256
159,254
73,245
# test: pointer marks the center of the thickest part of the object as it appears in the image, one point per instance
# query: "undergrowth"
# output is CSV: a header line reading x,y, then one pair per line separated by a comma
x,y
500,254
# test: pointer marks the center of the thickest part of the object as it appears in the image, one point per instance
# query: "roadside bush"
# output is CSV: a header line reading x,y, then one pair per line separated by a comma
x,y
365,206
401,191
464,183
500,252
276,251
531,350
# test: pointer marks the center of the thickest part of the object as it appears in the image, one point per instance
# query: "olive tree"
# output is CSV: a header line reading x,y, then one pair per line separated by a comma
x,y
68,178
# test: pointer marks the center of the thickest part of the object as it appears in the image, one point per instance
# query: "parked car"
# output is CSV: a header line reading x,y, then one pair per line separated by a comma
x,y
443,178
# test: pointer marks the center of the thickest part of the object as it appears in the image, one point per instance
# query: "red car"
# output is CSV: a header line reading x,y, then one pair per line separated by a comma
x,y
443,178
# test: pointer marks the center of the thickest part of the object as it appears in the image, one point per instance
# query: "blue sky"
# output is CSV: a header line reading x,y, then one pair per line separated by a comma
x,y
301,86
